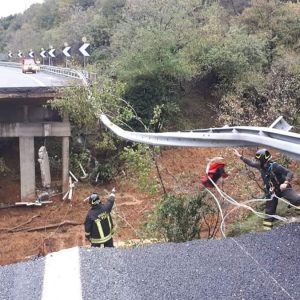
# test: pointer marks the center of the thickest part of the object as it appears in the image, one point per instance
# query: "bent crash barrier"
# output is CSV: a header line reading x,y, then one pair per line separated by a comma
x,y
276,136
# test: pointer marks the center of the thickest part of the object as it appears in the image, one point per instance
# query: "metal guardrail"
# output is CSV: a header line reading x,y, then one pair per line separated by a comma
x,y
10,64
67,72
239,136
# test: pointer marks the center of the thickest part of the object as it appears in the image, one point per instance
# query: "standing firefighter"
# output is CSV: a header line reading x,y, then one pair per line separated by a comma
x,y
277,182
98,223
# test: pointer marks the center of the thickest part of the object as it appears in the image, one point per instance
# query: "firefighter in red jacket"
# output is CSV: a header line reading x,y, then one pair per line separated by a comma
x,y
98,223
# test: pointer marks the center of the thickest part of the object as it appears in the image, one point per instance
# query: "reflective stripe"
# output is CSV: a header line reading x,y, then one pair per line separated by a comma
x,y
109,223
100,229
100,241
268,223
267,228
102,238
87,234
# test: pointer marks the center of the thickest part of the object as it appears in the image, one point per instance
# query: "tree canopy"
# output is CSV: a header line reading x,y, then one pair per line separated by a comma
x,y
247,51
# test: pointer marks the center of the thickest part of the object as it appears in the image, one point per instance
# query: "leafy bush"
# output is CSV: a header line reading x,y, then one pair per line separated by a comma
x,y
179,218
76,159
3,168
259,104
103,173
147,94
138,163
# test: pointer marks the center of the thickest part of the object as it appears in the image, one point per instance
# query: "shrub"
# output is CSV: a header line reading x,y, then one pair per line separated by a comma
x,y
179,218
3,168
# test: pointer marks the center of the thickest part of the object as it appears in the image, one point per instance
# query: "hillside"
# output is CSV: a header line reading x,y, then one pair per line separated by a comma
x,y
25,231
162,65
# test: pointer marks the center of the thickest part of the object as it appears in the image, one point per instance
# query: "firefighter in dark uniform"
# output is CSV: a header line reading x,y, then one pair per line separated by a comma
x,y
98,223
277,183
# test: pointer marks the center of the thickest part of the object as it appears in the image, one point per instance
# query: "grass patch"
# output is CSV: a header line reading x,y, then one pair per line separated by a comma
x,y
253,223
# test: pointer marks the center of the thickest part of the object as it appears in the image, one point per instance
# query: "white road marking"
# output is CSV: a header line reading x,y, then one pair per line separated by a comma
x,y
62,276
38,81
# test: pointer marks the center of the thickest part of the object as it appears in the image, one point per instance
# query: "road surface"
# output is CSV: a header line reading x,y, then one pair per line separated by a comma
x,y
13,77
255,266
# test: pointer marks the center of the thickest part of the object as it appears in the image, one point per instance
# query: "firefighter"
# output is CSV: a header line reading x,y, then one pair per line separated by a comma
x,y
98,223
277,183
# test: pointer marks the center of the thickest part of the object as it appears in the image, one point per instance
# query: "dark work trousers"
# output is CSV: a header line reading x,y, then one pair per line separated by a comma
x,y
109,243
289,194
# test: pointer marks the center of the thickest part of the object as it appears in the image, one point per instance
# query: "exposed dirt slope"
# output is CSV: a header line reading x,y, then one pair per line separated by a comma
x,y
29,231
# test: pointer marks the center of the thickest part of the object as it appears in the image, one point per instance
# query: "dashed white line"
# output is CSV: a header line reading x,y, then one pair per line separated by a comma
x,y
62,276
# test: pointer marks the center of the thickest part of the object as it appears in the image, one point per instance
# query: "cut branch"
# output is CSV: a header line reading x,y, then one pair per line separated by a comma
x,y
64,223
20,225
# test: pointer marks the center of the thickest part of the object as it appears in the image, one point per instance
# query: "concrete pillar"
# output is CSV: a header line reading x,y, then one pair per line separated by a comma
x,y
25,107
27,168
65,164
65,157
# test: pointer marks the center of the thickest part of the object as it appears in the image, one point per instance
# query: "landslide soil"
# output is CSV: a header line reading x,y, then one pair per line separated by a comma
x,y
27,232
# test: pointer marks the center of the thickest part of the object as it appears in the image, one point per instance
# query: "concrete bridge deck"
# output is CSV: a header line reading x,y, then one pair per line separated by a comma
x,y
23,115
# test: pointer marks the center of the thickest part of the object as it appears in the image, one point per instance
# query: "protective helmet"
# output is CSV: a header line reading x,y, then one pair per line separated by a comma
x,y
94,199
263,155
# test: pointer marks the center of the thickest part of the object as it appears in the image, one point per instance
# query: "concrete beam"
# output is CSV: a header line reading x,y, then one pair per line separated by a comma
x,y
59,129
27,169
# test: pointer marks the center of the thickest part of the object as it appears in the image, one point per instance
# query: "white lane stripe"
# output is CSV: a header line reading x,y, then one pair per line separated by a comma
x,y
38,81
62,276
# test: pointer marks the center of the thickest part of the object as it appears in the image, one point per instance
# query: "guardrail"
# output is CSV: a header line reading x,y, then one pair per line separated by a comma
x,y
72,73
239,136
10,64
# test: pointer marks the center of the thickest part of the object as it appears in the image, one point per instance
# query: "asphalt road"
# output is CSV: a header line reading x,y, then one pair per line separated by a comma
x,y
13,77
254,266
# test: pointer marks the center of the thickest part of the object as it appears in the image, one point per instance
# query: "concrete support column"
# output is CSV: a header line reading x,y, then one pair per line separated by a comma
x,y
65,157
25,107
65,164
27,168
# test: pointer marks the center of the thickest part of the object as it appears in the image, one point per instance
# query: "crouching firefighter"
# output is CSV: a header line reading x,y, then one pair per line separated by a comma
x,y
277,183
98,223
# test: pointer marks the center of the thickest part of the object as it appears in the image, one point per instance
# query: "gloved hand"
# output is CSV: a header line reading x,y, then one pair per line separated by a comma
x,y
284,186
112,194
236,153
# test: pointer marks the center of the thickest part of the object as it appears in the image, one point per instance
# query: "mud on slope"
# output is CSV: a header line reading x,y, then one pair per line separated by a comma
x,y
26,232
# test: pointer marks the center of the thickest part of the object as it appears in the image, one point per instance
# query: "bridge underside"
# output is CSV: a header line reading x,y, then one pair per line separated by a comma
x,y
23,115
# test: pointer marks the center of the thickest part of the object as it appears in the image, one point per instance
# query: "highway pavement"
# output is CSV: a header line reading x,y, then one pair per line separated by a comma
x,y
13,77
254,266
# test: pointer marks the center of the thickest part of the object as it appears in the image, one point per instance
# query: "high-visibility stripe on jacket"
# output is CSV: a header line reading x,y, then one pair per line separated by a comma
x,y
98,223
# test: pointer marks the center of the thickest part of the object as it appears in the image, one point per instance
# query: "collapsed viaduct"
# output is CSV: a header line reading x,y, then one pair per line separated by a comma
x,y
23,115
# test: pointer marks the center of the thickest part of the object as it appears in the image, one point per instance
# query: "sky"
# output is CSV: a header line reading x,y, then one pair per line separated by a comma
x,y
10,7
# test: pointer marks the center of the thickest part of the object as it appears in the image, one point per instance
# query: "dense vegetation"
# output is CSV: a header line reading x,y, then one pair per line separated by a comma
x,y
248,51
149,55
